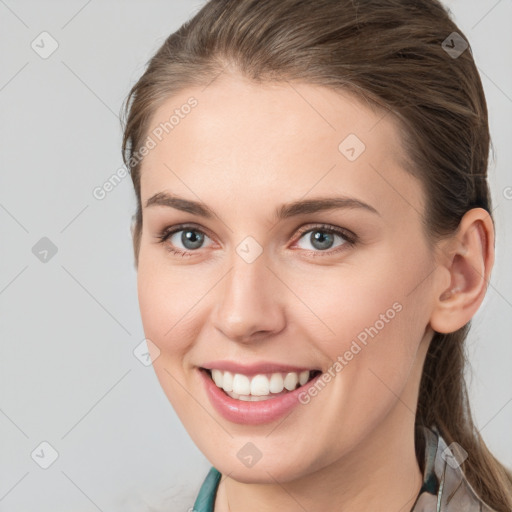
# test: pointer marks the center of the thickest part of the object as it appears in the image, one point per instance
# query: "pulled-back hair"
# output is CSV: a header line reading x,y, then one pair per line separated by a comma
x,y
390,54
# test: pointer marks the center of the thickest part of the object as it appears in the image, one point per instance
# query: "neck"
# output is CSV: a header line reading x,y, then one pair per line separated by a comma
x,y
382,474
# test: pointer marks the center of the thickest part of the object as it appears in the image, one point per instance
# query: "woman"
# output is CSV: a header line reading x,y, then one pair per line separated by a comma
x,y
312,238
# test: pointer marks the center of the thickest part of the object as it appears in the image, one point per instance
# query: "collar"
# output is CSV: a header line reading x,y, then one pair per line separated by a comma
x,y
445,488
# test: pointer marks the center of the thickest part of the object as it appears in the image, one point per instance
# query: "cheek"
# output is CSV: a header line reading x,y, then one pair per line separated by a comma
x,y
169,320
366,314
376,331
348,301
167,301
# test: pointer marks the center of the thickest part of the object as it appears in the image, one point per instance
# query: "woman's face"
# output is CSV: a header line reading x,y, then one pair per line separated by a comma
x,y
264,282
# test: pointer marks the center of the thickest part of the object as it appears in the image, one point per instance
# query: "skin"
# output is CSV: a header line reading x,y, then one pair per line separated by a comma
x,y
243,151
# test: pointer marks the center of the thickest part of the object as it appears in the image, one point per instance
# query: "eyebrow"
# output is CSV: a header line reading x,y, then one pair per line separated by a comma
x,y
282,212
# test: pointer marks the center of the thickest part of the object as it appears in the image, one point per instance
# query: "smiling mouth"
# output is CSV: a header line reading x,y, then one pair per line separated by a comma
x,y
259,387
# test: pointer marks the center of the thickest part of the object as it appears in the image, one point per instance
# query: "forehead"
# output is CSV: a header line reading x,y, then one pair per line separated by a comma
x,y
281,140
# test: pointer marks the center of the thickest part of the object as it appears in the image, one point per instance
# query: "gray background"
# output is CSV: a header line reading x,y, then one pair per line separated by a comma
x,y
69,326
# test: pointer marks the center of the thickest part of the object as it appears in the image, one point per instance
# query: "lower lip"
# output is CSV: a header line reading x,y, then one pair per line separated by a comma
x,y
252,413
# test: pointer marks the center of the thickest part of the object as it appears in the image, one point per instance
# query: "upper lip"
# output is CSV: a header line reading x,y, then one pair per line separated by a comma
x,y
254,368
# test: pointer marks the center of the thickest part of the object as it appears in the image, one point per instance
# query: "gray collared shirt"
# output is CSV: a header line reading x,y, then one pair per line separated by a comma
x,y
445,487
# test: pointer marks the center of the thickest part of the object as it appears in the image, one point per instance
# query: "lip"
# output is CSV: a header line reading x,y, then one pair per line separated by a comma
x,y
255,368
251,413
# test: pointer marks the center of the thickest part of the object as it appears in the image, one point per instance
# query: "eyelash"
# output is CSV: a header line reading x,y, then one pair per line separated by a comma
x,y
349,237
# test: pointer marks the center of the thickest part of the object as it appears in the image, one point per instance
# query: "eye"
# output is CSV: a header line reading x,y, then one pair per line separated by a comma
x,y
189,237
322,237
184,240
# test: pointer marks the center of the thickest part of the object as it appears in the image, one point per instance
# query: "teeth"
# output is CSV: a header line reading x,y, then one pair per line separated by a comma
x,y
290,381
241,384
276,383
227,381
217,377
303,377
260,386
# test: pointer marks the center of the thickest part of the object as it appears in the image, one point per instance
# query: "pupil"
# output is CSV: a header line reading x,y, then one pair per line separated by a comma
x,y
320,237
193,238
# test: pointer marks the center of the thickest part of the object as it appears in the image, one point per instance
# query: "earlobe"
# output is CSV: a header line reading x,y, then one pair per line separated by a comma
x,y
469,261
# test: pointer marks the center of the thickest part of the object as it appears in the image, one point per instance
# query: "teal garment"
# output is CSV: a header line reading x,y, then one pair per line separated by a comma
x,y
206,497
444,489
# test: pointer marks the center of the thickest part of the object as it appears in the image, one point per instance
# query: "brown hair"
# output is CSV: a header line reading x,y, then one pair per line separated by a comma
x,y
390,54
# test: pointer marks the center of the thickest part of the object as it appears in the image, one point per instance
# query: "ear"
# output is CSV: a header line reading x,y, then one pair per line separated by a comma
x,y
469,260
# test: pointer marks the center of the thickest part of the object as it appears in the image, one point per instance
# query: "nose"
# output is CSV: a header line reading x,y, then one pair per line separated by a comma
x,y
249,302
